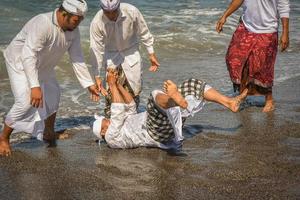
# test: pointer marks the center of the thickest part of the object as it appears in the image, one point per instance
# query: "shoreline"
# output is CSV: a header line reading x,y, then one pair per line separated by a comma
x,y
249,155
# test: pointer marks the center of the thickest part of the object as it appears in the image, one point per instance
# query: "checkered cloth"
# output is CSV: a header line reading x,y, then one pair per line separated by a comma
x,y
158,125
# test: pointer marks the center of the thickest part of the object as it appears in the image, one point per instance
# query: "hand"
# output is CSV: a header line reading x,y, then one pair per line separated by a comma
x,y
154,63
36,97
284,41
100,87
170,87
220,23
112,76
94,96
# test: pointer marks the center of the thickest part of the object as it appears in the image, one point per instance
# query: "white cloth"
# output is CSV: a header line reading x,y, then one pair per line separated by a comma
x,y
109,5
262,16
30,60
128,128
97,125
75,7
117,43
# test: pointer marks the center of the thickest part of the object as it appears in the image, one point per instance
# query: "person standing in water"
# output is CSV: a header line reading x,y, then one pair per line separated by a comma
x,y
30,61
252,51
115,34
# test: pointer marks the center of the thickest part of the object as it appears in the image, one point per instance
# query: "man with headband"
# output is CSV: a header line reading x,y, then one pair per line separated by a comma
x,y
114,42
161,125
30,61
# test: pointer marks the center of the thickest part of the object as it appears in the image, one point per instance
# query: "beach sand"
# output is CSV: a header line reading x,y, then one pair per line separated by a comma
x,y
248,155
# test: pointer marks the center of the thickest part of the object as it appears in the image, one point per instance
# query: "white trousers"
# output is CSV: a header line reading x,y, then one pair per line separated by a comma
x,y
22,117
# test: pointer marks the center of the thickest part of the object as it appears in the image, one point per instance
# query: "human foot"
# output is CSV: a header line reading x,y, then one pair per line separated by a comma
x,y
63,134
235,103
5,149
269,106
171,90
50,138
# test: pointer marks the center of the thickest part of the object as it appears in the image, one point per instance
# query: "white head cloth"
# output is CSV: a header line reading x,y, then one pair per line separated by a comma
x,y
97,125
110,5
75,7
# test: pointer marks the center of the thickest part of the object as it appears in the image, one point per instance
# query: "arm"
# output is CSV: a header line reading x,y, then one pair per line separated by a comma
x,y
125,94
96,53
234,5
80,68
284,10
35,41
147,39
113,135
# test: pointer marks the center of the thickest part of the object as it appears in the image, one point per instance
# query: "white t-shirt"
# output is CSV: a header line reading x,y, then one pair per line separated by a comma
x,y
262,16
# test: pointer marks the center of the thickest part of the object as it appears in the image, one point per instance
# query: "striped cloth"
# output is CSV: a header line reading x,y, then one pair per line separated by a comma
x,y
158,125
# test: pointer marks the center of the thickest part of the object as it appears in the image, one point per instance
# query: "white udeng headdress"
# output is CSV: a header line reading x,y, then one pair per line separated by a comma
x,y
110,5
97,125
75,7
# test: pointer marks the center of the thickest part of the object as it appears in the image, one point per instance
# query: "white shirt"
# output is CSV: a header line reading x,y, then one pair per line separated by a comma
x,y
128,128
39,46
114,43
262,16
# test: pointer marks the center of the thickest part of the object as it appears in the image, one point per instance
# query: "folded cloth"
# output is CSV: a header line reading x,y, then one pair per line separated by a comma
x,y
110,5
76,7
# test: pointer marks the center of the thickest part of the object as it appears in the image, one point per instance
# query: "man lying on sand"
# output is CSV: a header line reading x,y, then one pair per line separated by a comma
x,y
161,125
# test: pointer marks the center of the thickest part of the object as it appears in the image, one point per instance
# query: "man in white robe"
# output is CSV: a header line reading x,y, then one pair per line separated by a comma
x,y
30,61
115,33
161,125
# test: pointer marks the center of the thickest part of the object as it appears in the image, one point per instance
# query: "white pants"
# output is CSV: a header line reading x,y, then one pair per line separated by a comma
x,y
22,117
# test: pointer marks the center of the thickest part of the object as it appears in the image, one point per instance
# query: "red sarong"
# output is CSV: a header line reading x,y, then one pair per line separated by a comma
x,y
254,52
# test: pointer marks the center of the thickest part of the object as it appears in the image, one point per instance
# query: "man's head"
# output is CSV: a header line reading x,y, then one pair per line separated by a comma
x,y
71,13
100,126
110,8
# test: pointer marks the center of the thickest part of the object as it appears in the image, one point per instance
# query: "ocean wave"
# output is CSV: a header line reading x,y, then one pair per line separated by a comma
x,y
201,12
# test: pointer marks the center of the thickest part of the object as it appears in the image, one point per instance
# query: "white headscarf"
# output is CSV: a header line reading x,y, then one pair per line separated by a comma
x,y
110,5
75,7
97,125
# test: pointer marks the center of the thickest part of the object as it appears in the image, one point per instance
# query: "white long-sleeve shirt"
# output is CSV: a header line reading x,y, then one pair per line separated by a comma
x,y
128,128
39,46
114,43
262,16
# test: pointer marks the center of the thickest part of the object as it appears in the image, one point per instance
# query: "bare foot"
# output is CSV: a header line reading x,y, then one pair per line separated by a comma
x,y
5,149
171,90
269,106
63,134
235,103
50,138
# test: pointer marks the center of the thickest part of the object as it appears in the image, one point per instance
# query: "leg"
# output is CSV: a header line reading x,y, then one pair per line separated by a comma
x,y
269,106
231,103
5,149
172,97
49,132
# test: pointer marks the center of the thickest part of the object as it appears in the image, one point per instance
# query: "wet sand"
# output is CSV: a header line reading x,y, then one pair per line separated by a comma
x,y
249,155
